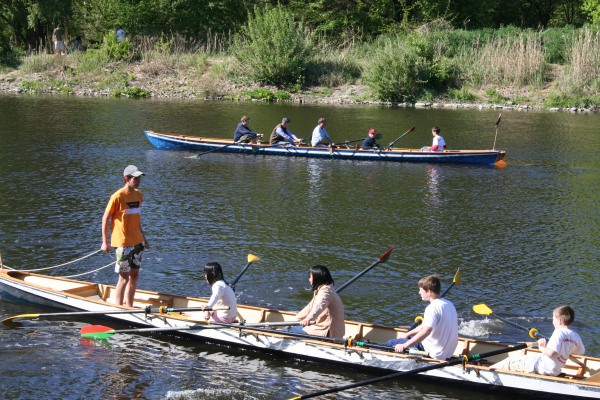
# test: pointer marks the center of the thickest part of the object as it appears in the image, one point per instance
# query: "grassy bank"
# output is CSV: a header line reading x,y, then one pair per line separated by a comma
x,y
276,59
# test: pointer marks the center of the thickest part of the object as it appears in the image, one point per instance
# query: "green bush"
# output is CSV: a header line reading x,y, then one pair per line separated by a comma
x,y
462,95
397,74
272,48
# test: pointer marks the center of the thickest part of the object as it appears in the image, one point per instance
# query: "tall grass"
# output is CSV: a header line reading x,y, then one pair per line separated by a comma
x,y
507,61
584,61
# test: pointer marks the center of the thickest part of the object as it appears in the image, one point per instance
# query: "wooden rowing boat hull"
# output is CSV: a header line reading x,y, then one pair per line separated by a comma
x,y
87,296
201,144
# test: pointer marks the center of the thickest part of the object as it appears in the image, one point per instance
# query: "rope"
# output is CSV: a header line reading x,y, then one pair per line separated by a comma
x,y
60,265
89,272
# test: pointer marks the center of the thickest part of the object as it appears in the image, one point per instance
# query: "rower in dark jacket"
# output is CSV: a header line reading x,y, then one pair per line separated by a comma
x,y
243,134
370,143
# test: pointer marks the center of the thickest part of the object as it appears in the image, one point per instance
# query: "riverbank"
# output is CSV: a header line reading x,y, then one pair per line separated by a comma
x,y
180,83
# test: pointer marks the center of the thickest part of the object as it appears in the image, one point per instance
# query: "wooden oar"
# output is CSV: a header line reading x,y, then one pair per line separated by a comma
x,y
452,361
381,259
389,146
104,332
251,258
455,281
485,310
497,124
215,149
147,310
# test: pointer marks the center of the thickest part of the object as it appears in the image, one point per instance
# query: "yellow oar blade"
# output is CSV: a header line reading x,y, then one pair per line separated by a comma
x,y
253,258
482,309
22,316
457,276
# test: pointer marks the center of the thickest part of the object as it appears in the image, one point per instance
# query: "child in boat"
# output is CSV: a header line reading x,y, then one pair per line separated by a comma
x,y
554,352
438,144
370,141
222,295
325,309
438,333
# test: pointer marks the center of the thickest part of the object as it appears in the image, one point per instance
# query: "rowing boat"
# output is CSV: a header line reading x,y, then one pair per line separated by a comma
x,y
358,349
341,152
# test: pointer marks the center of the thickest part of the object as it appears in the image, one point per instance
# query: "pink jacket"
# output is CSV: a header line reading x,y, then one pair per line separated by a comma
x,y
327,310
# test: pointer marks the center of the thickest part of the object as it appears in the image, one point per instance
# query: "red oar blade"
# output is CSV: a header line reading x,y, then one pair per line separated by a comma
x,y
387,255
97,332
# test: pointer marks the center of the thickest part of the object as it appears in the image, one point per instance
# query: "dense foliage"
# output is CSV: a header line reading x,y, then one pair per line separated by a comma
x,y
29,23
401,50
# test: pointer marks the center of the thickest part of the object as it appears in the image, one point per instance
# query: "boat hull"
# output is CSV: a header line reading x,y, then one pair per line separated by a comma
x,y
86,296
202,144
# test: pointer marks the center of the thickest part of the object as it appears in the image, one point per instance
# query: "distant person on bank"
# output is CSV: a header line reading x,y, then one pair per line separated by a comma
x,y
58,40
120,34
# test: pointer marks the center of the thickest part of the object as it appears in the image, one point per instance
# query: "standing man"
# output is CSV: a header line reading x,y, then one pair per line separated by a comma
x,y
58,40
127,236
438,333
320,137
120,35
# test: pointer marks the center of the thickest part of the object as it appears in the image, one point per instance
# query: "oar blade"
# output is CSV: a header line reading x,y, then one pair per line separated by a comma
x,y
482,309
387,255
498,120
11,320
97,332
457,277
253,258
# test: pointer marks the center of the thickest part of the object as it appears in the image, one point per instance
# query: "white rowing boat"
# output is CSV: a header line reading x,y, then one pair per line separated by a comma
x,y
180,315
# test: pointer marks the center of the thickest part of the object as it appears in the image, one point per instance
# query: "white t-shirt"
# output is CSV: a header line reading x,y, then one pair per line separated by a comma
x,y
440,142
223,295
565,342
441,317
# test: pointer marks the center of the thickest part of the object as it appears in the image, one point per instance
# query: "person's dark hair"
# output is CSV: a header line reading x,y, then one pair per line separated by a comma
x,y
213,272
436,129
431,282
321,276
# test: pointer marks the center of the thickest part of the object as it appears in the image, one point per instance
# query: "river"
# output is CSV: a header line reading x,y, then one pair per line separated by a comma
x,y
525,236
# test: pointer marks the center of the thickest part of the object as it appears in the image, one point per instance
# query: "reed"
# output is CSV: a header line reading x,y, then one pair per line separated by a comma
x,y
583,70
506,61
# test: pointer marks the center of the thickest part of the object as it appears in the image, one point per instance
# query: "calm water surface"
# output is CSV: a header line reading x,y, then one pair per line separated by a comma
x,y
525,236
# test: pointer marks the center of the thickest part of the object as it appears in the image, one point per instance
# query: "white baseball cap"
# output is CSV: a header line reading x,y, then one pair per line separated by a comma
x,y
132,170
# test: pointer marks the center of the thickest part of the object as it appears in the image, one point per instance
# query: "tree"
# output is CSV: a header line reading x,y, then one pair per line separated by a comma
x,y
592,8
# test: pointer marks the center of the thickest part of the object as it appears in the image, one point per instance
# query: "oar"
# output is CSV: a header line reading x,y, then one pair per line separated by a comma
x,y
215,149
251,258
497,124
347,142
452,361
147,310
104,332
455,281
381,259
485,310
389,146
